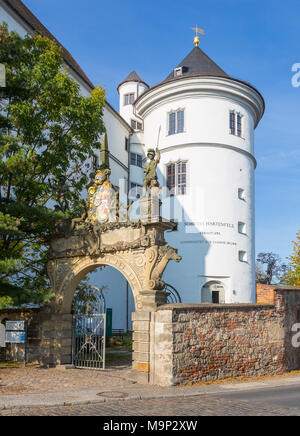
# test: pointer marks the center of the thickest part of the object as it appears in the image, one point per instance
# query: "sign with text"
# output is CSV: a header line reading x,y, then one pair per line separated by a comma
x,y
15,325
15,337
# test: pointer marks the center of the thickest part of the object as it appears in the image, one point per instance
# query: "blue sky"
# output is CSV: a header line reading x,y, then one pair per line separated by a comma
x,y
257,41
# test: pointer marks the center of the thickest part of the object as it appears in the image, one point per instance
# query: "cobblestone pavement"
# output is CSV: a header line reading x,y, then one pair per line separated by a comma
x,y
203,405
35,379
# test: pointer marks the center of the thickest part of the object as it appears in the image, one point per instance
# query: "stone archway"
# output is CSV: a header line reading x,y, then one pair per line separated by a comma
x,y
138,250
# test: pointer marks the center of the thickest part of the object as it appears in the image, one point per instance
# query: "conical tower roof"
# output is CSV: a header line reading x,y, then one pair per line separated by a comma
x,y
198,63
133,77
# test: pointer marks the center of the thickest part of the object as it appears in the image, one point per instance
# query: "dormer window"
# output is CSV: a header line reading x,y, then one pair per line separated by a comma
x,y
178,71
128,99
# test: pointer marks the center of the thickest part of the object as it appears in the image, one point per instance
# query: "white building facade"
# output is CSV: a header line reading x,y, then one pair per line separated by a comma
x,y
203,121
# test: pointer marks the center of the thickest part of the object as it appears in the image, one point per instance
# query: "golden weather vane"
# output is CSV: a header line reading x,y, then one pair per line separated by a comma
x,y
197,39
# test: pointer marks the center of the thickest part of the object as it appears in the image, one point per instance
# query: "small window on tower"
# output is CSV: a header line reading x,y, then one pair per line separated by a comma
x,y
235,124
176,122
177,178
232,123
242,256
239,124
136,159
241,194
128,99
171,178
242,228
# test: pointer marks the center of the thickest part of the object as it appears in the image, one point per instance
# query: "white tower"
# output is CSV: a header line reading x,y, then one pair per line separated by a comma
x,y
129,90
207,121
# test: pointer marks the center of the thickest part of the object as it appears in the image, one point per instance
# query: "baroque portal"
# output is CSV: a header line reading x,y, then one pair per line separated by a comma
x,y
105,235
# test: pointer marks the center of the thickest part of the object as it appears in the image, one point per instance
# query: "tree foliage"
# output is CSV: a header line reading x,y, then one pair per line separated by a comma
x,y
270,269
86,298
293,275
47,133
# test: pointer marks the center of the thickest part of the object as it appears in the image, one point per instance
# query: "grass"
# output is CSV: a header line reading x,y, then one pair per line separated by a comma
x,y
12,364
119,344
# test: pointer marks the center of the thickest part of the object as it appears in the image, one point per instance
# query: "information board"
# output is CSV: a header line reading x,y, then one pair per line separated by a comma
x,y
15,337
15,325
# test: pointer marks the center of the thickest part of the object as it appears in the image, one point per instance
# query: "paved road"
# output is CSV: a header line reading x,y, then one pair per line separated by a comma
x,y
277,401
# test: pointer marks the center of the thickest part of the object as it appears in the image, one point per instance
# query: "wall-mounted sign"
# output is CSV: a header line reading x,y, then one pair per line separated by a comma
x,y
16,333
15,337
15,325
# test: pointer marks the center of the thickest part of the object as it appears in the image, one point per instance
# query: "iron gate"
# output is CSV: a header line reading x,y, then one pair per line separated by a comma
x,y
89,332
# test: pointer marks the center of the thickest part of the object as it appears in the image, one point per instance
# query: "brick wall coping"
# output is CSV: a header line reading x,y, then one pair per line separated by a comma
x,y
280,287
204,306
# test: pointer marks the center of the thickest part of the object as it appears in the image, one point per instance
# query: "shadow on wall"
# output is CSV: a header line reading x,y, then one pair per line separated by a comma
x,y
191,243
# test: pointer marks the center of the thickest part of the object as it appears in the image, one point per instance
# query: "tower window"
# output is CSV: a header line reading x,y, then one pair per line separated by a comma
x,y
136,125
242,256
126,144
128,99
135,190
180,121
176,122
232,123
177,178
242,228
241,194
136,159
235,123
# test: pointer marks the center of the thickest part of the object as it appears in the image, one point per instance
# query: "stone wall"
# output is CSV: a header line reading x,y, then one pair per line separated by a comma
x,y
199,342
15,352
49,336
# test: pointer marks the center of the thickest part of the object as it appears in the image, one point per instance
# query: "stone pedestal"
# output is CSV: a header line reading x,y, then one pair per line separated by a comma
x,y
150,209
142,335
55,339
141,345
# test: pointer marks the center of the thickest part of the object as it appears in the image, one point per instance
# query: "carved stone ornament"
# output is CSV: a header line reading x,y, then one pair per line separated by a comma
x,y
137,250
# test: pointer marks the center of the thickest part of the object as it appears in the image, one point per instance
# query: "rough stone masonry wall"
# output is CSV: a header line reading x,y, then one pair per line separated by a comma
x,y
198,343
15,352
49,336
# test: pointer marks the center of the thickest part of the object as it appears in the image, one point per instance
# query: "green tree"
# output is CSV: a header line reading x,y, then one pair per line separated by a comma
x,y
47,133
86,298
270,269
293,276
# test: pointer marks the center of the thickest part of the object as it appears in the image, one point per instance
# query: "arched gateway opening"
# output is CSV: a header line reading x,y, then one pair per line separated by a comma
x,y
137,250
102,326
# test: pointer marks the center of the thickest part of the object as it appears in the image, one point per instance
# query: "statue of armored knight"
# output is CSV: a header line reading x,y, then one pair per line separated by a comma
x,y
151,180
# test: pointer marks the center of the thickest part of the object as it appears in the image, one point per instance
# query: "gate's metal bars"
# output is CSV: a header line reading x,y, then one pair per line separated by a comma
x,y
89,341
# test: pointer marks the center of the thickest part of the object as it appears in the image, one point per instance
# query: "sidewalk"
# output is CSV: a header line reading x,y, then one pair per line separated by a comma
x,y
33,386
